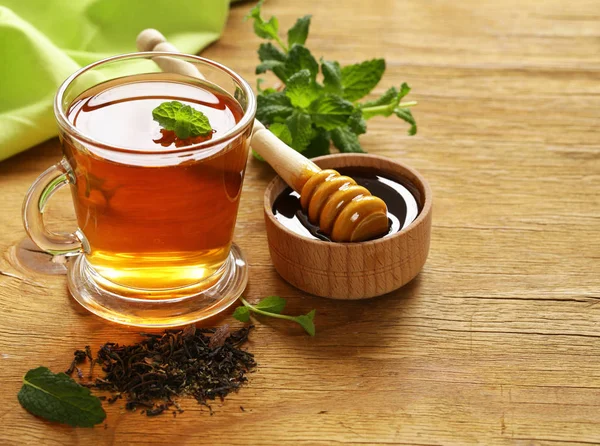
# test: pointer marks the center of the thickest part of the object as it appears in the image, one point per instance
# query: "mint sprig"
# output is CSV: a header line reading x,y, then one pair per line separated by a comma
x,y
184,120
273,306
57,397
308,113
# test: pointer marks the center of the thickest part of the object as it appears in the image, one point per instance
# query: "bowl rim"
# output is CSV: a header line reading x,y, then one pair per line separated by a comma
x,y
423,215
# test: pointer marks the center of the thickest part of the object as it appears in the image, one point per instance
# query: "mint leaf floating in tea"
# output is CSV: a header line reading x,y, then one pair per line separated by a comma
x,y
309,115
56,397
273,306
184,120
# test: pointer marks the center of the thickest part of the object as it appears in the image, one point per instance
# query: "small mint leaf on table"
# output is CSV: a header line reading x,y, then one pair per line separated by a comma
x,y
330,111
307,322
346,140
359,79
272,304
57,397
242,314
299,32
184,120
301,89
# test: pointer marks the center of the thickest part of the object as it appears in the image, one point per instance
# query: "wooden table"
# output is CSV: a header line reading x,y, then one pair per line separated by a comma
x,y
496,342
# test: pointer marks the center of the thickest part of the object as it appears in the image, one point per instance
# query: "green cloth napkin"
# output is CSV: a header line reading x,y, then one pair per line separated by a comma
x,y
42,42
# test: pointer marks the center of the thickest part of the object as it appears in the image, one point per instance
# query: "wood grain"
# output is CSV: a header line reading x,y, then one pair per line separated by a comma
x,y
352,270
495,342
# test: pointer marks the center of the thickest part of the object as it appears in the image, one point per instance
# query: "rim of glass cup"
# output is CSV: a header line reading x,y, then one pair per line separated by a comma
x,y
248,116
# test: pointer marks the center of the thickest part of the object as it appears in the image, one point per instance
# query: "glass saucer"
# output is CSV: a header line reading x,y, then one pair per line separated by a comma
x,y
162,308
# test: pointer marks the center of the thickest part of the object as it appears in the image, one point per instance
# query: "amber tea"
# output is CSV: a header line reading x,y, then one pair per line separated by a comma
x,y
152,226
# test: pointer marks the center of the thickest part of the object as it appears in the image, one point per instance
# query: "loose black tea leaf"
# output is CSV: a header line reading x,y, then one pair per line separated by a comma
x,y
78,357
219,337
205,363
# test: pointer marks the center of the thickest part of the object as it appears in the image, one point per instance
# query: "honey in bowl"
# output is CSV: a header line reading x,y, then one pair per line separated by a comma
x,y
155,225
399,195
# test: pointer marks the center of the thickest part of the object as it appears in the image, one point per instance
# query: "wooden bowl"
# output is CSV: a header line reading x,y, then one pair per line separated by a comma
x,y
351,270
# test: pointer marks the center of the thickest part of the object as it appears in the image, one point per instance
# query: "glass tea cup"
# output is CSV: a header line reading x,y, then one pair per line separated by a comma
x,y
153,245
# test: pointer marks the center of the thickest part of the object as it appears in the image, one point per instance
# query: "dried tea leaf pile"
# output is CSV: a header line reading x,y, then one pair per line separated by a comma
x,y
203,363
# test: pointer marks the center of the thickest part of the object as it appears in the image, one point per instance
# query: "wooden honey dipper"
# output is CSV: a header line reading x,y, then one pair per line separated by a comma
x,y
342,209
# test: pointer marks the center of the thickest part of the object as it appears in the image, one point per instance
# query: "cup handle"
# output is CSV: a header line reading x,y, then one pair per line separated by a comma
x,y
37,196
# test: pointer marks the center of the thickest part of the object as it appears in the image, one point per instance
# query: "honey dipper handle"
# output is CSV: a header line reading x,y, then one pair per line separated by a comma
x,y
293,167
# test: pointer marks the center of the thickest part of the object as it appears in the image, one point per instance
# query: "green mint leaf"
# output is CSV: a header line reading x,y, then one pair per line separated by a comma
x,y
307,322
268,51
286,65
301,130
319,145
199,125
299,32
266,30
357,123
389,103
271,106
332,76
165,114
254,13
272,304
359,79
330,111
300,58
183,119
242,314
272,59
389,97
270,65
282,131
57,397
406,115
404,90
301,89
346,140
